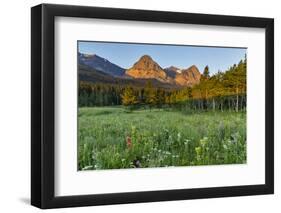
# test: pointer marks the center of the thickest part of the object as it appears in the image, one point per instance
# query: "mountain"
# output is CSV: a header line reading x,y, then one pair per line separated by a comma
x,y
98,63
146,68
88,74
95,76
172,71
188,77
94,68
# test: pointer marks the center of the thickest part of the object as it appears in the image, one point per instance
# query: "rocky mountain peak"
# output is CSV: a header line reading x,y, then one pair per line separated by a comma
x,y
191,70
146,68
146,63
189,76
145,57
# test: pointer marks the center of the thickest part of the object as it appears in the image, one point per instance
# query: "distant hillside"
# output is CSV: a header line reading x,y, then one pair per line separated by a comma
x,y
96,62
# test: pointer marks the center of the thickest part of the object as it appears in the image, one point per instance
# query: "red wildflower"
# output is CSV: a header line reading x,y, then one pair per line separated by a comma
x,y
129,142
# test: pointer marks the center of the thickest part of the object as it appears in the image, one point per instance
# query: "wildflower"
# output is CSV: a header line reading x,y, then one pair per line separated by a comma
x,y
129,142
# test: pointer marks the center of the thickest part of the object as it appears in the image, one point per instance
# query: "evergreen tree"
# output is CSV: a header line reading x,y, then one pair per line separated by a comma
x,y
150,95
129,97
221,91
206,72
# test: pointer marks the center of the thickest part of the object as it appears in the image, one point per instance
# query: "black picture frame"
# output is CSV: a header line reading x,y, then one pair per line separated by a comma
x,y
43,102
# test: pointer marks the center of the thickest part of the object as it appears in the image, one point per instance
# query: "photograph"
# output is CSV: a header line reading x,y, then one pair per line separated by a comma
x,y
133,105
160,105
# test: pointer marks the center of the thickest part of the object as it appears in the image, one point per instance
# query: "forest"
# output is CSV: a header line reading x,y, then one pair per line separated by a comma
x,y
221,91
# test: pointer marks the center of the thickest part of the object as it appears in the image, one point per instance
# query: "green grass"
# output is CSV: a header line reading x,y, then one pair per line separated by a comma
x,y
159,138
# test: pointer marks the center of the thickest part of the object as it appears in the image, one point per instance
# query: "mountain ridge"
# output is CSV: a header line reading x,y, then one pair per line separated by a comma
x,y
143,69
96,62
188,77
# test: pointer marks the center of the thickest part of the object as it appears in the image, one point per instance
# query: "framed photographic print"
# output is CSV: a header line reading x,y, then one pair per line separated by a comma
x,y
139,106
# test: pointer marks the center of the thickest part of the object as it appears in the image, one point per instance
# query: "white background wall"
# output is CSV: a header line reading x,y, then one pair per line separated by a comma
x,y
15,105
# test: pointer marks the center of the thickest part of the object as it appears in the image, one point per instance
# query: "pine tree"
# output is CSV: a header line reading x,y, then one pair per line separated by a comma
x,y
129,97
206,72
150,95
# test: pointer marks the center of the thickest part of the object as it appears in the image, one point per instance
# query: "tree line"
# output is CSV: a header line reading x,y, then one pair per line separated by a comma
x,y
221,91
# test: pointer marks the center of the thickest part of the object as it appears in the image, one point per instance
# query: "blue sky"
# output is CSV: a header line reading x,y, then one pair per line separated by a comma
x,y
181,56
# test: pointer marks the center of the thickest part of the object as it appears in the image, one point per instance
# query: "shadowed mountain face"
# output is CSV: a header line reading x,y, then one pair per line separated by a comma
x,y
172,71
96,62
94,68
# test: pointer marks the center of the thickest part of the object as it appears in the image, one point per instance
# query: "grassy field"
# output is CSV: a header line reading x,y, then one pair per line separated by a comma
x,y
113,138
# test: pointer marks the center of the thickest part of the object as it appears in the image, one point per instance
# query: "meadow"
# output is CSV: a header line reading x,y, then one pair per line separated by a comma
x,y
115,138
